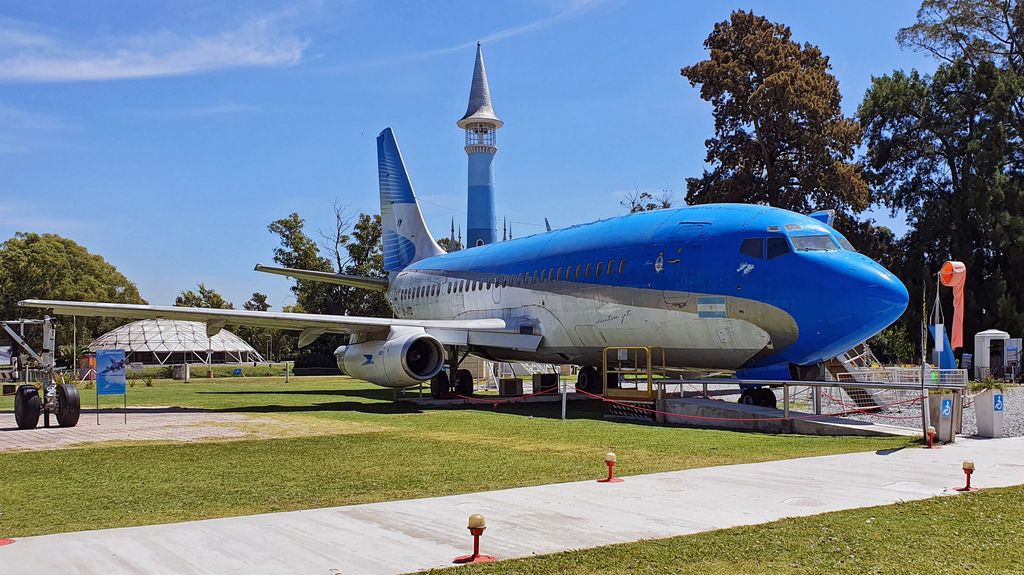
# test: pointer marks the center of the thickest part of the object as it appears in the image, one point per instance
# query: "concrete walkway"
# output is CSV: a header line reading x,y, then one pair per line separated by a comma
x,y
403,536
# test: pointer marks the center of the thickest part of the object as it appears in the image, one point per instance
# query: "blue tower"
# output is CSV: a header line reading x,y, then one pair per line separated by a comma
x,y
480,125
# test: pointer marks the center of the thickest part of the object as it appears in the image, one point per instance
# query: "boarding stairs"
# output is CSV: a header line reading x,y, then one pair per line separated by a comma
x,y
857,364
510,369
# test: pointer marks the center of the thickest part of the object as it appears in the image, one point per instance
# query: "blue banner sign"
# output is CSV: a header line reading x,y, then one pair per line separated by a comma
x,y
997,402
947,408
110,368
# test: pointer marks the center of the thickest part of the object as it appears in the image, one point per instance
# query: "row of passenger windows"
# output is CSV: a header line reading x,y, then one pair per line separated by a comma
x,y
567,273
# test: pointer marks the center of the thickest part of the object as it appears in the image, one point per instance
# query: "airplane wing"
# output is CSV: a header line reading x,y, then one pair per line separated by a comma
x,y
364,282
449,332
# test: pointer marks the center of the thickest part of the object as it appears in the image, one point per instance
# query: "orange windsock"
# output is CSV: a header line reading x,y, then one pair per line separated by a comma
x,y
954,274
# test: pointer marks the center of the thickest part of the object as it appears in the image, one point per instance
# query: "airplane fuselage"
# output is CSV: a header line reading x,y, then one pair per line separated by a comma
x,y
715,286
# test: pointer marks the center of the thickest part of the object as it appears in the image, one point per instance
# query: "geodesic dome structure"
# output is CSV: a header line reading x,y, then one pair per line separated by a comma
x,y
166,341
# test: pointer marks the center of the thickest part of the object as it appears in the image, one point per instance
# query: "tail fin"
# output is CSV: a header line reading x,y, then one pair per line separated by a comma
x,y
405,234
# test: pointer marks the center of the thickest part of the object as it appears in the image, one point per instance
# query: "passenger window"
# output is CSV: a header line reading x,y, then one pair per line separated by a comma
x,y
551,274
543,274
597,270
754,247
777,247
558,276
578,268
586,272
622,266
611,267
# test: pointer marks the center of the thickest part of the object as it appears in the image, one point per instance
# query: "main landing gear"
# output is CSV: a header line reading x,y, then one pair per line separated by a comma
x,y
66,405
443,384
589,380
760,396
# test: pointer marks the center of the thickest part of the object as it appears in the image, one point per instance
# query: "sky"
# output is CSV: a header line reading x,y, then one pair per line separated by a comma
x,y
166,136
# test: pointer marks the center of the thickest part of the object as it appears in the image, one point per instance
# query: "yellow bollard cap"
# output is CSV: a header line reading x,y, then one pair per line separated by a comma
x,y
968,465
610,457
476,521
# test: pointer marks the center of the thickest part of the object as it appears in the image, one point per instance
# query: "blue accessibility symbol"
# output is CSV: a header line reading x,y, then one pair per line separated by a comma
x,y
997,402
947,408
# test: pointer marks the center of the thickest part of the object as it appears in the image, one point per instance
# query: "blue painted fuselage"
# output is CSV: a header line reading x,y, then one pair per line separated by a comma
x,y
723,286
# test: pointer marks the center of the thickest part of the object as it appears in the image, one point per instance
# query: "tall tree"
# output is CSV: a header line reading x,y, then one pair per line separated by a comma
x,y
48,266
780,136
643,201
358,252
946,150
204,297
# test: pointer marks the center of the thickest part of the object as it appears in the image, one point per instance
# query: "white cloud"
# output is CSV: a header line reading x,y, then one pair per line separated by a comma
x,y
31,56
576,8
22,130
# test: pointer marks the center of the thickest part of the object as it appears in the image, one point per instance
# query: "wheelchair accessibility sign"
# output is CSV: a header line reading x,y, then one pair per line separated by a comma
x,y
947,408
997,402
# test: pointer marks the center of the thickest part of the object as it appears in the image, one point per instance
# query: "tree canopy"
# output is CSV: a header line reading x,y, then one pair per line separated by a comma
x,y
204,297
780,137
48,266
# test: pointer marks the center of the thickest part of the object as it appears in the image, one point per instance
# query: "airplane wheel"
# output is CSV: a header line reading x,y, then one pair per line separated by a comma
x,y
439,385
765,397
69,405
27,407
588,379
747,397
464,382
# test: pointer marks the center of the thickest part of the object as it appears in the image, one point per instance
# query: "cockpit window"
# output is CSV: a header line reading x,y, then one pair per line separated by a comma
x,y
846,243
777,247
814,244
753,247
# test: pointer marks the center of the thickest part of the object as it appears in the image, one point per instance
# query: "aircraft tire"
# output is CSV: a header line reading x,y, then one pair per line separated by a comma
x,y
26,407
765,397
587,379
747,397
69,405
464,382
440,385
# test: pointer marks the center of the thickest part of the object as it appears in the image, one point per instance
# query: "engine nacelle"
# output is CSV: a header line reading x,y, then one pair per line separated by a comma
x,y
407,357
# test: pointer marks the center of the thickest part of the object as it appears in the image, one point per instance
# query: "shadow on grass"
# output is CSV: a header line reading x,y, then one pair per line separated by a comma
x,y
383,408
381,394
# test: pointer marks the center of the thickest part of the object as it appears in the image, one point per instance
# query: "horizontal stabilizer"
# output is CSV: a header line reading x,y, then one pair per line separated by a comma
x,y
364,282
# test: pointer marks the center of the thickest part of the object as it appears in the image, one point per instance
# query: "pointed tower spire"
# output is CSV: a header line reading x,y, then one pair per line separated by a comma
x,y
480,108
504,229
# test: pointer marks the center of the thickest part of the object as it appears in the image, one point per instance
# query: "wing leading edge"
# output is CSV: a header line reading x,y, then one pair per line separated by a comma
x,y
449,332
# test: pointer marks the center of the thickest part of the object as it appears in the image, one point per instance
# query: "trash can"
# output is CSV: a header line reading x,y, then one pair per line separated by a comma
x,y
989,406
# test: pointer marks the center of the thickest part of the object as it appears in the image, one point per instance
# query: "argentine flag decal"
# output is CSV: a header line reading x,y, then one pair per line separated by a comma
x,y
711,307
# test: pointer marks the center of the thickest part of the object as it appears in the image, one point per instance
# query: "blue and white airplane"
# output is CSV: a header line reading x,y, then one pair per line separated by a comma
x,y
767,292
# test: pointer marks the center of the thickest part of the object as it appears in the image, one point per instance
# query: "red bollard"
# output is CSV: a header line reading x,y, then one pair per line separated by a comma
x,y
476,528
6,542
931,437
610,461
968,467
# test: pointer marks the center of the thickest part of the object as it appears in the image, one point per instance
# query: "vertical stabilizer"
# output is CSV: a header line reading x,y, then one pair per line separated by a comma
x,y
404,233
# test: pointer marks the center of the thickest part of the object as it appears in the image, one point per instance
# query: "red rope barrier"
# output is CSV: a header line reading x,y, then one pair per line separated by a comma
x,y
873,414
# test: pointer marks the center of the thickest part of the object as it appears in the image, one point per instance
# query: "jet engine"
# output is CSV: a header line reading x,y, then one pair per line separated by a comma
x,y
407,357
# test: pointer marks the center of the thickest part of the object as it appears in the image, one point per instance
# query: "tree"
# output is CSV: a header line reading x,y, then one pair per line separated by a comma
x,y
939,148
206,297
359,252
449,245
48,266
780,136
946,149
643,201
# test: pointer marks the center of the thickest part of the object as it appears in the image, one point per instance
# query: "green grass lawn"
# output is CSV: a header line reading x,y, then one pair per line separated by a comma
x,y
978,532
366,449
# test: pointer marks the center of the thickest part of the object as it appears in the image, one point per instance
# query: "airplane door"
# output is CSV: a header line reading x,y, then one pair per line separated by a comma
x,y
496,290
679,264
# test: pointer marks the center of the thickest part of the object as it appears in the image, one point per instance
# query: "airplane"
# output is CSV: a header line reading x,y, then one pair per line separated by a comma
x,y
113,367
766,292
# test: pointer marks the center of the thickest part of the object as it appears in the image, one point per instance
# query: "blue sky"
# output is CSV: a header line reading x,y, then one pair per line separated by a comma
x,y
166,136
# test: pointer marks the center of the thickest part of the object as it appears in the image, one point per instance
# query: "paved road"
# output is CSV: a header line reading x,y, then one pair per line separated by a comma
x,y
403,536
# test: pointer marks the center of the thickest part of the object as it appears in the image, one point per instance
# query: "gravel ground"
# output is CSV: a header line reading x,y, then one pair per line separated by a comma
x,y
902,415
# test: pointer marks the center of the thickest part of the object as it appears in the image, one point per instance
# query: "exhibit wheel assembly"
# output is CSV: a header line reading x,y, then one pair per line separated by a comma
x,y
69,405
27,407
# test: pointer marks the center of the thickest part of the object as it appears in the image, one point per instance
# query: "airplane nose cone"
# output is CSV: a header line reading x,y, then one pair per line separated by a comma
x,y
866,298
